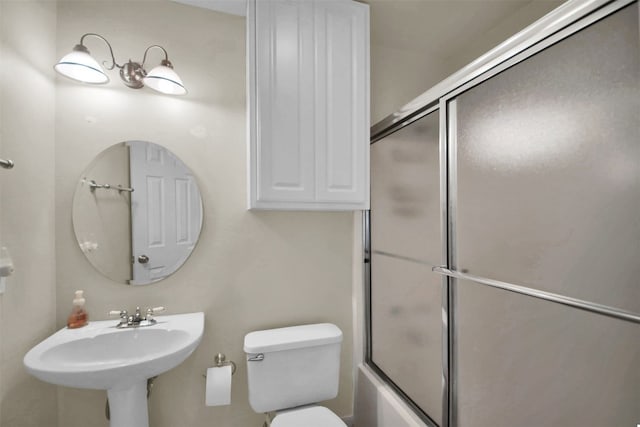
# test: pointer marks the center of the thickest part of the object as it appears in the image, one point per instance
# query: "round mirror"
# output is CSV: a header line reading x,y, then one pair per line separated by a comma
x,y
137,212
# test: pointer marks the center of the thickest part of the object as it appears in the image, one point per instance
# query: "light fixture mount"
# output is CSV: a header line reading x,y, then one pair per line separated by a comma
x,y
79,65
132,74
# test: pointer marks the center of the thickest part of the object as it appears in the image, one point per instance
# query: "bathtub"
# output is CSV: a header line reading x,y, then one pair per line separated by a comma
x,y
377,405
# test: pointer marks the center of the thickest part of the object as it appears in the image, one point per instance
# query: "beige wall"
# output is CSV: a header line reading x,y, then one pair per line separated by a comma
x,y
27,308
520,19
399,75
401,72
250,270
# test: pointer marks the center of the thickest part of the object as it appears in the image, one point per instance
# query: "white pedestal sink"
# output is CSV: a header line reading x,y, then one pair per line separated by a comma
x,y
99,356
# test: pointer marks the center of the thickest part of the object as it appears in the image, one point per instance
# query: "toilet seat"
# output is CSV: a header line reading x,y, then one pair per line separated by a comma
x,y
309,416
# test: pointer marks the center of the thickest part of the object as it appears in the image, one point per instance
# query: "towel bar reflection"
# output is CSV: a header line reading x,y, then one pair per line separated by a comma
x,y
93,185
7,164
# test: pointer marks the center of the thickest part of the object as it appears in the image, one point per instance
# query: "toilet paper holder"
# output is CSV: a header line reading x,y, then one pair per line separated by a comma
x,y
220,360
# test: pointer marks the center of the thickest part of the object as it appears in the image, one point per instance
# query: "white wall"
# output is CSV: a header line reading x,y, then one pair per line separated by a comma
x,y
27,308
250,270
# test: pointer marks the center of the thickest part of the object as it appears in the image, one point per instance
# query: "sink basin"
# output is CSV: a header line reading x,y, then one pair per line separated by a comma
x,y
100,356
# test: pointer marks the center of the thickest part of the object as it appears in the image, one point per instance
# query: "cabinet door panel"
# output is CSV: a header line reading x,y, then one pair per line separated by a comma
x,y
342,120
308,99
285,100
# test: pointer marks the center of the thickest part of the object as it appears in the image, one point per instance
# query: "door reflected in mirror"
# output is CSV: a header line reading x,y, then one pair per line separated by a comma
x,y
137,212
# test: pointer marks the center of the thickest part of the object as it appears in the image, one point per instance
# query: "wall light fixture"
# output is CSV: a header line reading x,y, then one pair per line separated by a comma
x,y
79,65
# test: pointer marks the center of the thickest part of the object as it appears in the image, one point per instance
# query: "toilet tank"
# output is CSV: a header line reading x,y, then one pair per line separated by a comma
x,y
292,366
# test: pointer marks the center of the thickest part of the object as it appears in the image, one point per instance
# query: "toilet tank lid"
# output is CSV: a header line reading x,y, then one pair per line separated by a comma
x,y
291,337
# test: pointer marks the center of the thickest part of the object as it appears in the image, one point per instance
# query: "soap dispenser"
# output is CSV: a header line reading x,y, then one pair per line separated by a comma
x,y
78,317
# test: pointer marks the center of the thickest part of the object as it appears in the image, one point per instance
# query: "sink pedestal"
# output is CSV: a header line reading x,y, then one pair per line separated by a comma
x,y
128,406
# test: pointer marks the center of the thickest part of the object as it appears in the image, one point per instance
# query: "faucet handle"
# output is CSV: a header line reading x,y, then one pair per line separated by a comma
x,y
121,313
154,310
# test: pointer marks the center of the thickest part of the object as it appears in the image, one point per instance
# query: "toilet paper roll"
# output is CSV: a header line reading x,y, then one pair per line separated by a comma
x,y
218,388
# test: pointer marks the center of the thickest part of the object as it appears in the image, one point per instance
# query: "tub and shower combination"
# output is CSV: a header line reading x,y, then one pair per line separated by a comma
x,y
503,242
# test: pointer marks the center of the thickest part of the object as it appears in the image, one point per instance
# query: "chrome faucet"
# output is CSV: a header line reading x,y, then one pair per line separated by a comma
x,y
136,320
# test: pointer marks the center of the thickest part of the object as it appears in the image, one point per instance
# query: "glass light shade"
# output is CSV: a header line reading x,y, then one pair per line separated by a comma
x,y
163,79
80,66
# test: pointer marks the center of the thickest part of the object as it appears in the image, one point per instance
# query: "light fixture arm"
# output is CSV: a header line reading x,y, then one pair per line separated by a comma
x,y
165,61
113,58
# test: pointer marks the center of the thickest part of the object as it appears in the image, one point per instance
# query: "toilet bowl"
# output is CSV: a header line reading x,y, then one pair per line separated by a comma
x,y
290,370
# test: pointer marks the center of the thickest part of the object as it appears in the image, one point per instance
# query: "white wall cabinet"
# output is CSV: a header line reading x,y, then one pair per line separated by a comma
x,y
308,98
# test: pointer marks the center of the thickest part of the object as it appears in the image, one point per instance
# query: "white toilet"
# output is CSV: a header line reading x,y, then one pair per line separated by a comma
x,y
290,369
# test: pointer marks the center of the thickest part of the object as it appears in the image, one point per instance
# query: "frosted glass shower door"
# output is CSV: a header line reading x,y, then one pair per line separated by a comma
x,y
406,298
548,197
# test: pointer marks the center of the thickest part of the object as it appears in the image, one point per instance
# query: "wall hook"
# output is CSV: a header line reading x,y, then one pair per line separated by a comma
x,y
7,164
6,268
